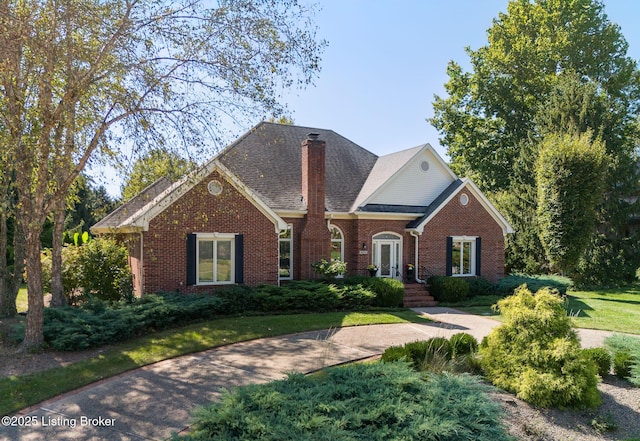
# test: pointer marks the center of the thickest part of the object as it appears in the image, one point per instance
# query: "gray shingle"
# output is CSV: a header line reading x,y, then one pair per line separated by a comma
x,y
268,160
122,213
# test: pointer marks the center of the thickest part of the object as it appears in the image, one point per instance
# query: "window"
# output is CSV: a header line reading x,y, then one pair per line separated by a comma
x,y
463,256
285,241
337,244
215,259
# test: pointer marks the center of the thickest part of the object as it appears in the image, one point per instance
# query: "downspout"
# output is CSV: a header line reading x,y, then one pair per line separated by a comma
x,y
141,269
415,273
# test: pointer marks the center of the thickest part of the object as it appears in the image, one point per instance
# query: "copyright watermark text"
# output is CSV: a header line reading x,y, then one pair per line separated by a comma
x,y
53,421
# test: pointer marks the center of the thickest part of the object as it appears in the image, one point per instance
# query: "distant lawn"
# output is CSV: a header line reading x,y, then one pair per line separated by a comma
x,y
607,309
18,392
21,300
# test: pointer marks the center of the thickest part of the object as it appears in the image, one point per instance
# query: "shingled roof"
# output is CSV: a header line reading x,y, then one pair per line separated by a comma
x,y
116,218
268,159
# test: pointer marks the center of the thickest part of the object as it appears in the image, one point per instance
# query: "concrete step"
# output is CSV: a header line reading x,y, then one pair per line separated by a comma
x,y
416,295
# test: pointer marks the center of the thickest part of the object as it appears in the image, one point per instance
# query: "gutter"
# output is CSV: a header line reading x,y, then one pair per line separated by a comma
x,y
415,273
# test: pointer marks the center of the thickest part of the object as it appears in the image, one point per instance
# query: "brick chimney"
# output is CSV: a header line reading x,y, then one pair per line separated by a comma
x,y
315,236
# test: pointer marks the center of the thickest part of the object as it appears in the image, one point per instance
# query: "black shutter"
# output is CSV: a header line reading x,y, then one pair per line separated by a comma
x,y
239,263
449,253
478,254
191,259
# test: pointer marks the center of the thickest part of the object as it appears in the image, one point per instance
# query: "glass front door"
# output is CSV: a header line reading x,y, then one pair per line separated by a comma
x,y
387,256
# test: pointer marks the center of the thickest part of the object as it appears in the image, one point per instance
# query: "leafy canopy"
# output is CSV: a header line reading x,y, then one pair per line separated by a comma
x,y
491,110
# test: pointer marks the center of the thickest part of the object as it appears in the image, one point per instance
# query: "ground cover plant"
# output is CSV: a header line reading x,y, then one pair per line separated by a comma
x,y
372,401
536,355
18,392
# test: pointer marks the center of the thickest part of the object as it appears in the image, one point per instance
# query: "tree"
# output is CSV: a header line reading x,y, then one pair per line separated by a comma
x,y
76,76
568,165
491,110
152,166
549,64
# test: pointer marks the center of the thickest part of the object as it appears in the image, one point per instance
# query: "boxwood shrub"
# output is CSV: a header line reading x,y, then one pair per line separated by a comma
x,y
448,289
602,358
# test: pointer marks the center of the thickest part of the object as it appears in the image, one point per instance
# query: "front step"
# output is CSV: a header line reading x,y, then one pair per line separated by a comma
x,y
416,295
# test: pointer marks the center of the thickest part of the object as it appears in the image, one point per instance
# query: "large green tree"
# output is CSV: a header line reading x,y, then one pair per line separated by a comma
x,y
490,110
548,64
150,167
77,76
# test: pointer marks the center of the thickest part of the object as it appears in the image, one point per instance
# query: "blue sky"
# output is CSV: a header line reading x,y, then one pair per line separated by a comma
x,y
387,59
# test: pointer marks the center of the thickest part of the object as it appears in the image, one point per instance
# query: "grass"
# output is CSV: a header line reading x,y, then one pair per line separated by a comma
x,y
608,309
21,300
18,392
616,309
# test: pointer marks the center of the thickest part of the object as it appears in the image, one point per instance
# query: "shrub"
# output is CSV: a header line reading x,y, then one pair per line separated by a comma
x,y
98,322
372,401
602,359
463,343
509,284
388,292
479,286
622,362
394,353
105,270
448,289
627,364
330,269
537,355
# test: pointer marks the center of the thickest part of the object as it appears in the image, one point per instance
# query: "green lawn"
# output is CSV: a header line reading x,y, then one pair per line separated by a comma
x,y
21,300
610,309
607,309
19,392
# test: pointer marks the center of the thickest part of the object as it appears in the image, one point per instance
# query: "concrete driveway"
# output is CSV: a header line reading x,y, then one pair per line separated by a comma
x,y
153,402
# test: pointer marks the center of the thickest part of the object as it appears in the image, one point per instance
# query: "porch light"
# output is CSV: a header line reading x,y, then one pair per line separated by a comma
x,y
364,246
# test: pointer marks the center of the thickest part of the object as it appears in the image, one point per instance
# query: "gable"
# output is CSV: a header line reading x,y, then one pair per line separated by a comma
x,y
453,191
414,177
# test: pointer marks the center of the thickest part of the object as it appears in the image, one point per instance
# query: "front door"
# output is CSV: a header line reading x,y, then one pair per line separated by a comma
x,y
387,252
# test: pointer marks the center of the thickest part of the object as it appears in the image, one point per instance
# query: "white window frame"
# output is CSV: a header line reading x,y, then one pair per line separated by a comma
x,y
290,241
472,263
215,237
340,241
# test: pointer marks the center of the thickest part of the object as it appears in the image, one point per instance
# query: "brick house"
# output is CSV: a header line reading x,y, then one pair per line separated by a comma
x,y
282,197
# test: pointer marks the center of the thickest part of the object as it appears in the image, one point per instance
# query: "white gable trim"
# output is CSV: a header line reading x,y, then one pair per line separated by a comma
x,y
141,218
486,204
425,148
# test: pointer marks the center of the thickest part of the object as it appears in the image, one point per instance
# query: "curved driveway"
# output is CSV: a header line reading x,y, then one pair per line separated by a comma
x,y
153,402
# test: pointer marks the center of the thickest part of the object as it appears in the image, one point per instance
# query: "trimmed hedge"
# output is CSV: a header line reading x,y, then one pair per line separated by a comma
x,y
448,289
388,292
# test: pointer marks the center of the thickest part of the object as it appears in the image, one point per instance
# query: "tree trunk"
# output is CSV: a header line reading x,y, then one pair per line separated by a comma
x,y
7,292
57,290
33,334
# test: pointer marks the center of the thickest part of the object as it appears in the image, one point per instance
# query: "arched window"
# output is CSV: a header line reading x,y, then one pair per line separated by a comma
x,y
337,243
